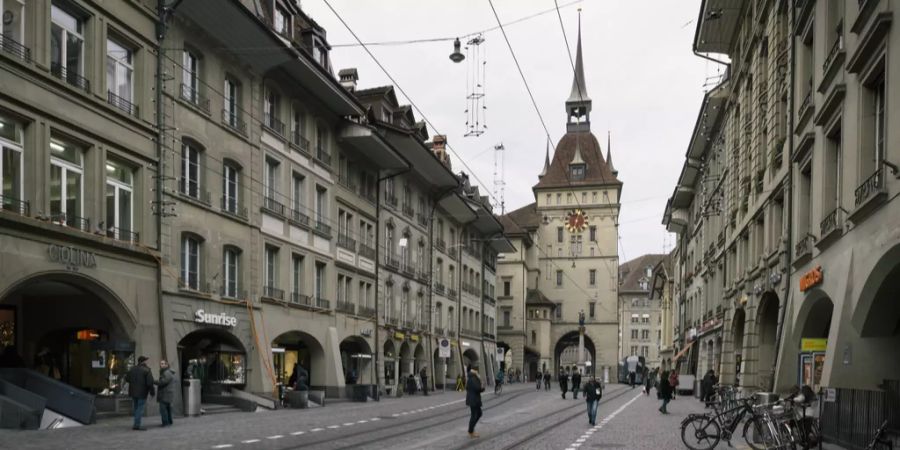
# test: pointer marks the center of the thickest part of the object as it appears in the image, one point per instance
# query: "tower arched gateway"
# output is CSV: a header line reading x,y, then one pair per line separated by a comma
x,y
566,357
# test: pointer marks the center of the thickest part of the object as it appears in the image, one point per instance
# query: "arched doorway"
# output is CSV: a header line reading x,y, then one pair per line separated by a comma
x,y
737,343
356,360
214,356
506,361
406,360
766,334
813,340
421,361
390,365
299,348
876,318
71,328
566,353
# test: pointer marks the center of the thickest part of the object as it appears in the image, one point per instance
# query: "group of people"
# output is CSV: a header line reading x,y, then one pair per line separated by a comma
x,y
141,385
543,379
412,385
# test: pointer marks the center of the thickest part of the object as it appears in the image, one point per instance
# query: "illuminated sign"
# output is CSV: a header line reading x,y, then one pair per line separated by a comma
x,y
201,316
811,279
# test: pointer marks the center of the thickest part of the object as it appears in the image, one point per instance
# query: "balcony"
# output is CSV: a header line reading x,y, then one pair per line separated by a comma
x,y
191,189
231,206
408,324
392,321
322,303
346,242
440,331
71,220
440,244
299,142
390,199
469,332
232,292
345,307
192,96
273,293
408,210
273,124
472,251
365,311
323,156
298,218
836,50
439,287
70,76
123,234
422,219
489,300
322,228
451,332
14,205
805,105
423,275
366,252
301,299
870,189
830,224
452,293
233,120
489,335
12,47
273,206
391,261
121,103
407,268
804,246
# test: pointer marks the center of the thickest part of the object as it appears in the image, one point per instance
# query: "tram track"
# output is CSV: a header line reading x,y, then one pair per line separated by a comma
x,y
415,426
518,444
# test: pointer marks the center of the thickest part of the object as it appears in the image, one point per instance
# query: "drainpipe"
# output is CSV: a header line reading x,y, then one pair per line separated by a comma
x,y
788,195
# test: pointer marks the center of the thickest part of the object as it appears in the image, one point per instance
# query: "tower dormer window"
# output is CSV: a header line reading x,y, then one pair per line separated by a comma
x,y
577,172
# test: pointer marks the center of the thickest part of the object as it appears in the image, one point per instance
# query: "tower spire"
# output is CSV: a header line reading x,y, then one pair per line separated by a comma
x,y
546,160
609,155
578,106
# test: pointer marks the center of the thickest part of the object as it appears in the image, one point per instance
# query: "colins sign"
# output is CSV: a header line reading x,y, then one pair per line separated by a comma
x,y
71,257
201,316
811,279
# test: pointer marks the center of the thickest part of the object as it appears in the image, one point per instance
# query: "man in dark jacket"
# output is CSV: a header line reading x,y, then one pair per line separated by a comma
x,y
576,383
166,393
546,380
474,389
593,392
707,389
140,385
665,391
563,383
424,376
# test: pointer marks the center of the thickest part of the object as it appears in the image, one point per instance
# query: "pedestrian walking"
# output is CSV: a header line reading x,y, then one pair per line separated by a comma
x,y
631,377
563,383
648,381
576,383
540,380
707,387
424,376
474,388
140,385
673,382
593,392
665,392
165,393
546,380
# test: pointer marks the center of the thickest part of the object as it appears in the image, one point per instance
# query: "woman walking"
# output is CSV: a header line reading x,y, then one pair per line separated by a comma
x,y
665,392
473,399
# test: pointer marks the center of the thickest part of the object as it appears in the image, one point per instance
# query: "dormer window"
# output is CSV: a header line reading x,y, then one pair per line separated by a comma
x,y
577,172
281,21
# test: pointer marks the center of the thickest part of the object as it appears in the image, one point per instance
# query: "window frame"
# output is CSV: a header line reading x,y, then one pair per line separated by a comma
x,y
65,33
231,271
65,168
16,148
127,65
191,256
188,149
118,187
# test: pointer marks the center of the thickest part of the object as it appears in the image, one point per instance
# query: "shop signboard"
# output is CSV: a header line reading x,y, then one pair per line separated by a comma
x,y
414,337
811,279
71,257
201,316
399,335
813,345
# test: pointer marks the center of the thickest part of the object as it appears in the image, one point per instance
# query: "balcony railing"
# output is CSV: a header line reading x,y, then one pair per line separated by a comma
x,y
121,103
14,205
408,324
408,210
273,292
230,205
829,223
274,206
806,103
70,76
452,293
233,120
832,54
472,251
13,47
299,218
71,220
346,242
451,332
438,287
271,122
299,142
392,261
345,307
489,335
390,199
366,252
422,219
869,188
489,300
393,321
439,331
323,156
322,303
323,228
232,292
191,188
193,96
804,246
123,234
365,311
470,332
422,274
440,244
408,268
300,299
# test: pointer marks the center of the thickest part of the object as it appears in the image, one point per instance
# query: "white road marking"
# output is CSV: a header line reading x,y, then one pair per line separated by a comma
x,y
395,415
249,441
362,421
277,436
374,419
580,440
297,433
348,424
316,429
333,426
603,422
222,446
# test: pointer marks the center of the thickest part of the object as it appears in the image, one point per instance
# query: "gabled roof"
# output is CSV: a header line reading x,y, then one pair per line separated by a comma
x,y
520,220
631,272
535,297
597,171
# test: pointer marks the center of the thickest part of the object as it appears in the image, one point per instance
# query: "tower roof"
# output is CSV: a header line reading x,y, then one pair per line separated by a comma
x,y
578,106
546,160
597,171
612,168
579,88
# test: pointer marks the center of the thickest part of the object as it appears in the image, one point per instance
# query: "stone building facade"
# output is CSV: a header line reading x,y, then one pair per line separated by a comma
x,y
640,315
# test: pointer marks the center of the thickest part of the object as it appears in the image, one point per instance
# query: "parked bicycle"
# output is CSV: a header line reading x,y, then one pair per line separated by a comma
x,y
879,440
704,431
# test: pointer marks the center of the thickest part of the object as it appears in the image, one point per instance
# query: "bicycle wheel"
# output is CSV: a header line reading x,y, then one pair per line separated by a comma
x,y
757,434
700,433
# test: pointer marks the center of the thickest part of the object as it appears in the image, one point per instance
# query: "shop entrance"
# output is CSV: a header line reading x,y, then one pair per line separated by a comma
x,y
390,366
737,344
876,318
766,331
356,360
72,329
296,349
215,357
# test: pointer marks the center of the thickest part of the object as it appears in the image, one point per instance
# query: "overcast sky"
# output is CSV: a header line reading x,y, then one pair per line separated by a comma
x,y
644,80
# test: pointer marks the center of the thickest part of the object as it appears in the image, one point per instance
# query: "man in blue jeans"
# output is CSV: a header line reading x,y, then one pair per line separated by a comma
x,y
593,392
140,385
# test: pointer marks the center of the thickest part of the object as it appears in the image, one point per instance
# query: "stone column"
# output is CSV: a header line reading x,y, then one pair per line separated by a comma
x,y
581,350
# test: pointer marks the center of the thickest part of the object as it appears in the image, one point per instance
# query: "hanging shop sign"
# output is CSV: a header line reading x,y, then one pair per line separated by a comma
x,y
201,316
811,279
710,325
71,257
399,335
366,332
813,345
414,337
444,348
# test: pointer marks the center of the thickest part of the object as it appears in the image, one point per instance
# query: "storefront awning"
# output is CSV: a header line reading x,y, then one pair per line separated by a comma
x,y
683,351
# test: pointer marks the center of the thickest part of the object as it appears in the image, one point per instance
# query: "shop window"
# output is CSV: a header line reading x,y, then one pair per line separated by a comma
x,y
66,183
11,170
119,201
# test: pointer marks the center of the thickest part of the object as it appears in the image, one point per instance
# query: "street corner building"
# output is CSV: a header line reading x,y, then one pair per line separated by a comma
x,y
566,262
243,215
785,208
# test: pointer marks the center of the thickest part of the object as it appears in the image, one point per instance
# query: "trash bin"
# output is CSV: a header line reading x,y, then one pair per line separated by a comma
x,y
765,397
191,397
360,392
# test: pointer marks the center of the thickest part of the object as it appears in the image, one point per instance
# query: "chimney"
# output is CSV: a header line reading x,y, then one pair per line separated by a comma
x,y
439,147
348,78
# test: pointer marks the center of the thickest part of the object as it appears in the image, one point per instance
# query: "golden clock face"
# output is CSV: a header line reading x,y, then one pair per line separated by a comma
x,y
576,221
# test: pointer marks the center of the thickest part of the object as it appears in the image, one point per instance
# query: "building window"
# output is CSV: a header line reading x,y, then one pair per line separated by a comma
x,y
645,334
230,187
271,267
634,349
270,180
320,280
559,278
231,113
119,70
66,183
533,337
558,311
506,314
559,234
66,45
230,263
592,277
507,288
190,262
296,274
297,194
578,172
11,179
321,204
271,113
645,318
282,21
190,170
558,199
634,334
190,77
119,206
593,233
12,26
635,318
592,308
645,351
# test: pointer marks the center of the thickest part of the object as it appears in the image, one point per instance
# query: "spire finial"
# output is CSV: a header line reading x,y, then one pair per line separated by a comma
x,y
546,160
609,154
578,106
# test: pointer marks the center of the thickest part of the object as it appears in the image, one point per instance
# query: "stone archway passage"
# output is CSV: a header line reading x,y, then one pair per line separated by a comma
x,y
766,335
215,357
357,361
737,343
298,348
877,320
567,345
